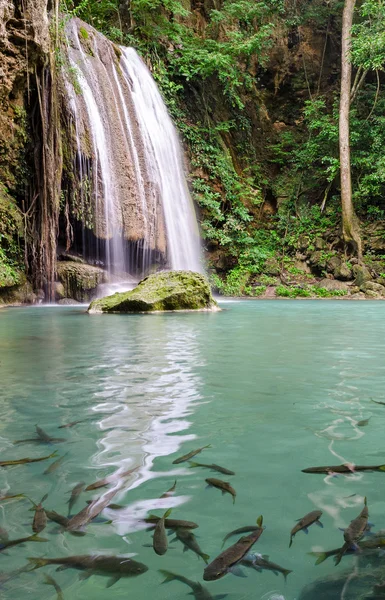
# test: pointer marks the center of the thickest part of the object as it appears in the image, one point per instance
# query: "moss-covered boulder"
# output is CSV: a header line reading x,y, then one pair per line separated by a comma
x,y
168,290
79,280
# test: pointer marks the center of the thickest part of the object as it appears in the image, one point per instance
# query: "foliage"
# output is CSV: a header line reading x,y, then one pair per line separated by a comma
x,y
307,292
10,247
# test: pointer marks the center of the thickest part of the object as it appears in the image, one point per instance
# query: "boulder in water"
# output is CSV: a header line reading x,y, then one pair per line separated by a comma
x,y
165,291
79,280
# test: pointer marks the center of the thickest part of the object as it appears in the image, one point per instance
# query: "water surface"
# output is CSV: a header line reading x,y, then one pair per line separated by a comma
x,y
274,387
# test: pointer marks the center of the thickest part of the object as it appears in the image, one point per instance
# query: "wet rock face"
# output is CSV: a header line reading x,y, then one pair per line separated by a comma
x,y
78,281
171,290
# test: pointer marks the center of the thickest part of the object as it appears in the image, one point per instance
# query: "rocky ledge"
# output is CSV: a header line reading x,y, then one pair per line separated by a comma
x,y
165,291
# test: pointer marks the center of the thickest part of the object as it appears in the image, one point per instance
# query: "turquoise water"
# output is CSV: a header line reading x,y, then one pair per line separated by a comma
x,y
274,387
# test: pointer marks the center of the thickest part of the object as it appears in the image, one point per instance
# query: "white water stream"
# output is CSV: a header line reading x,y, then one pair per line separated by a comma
x,y
140,199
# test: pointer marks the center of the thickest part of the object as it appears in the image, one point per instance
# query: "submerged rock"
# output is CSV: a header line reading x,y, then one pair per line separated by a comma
x,y
79,280
168,290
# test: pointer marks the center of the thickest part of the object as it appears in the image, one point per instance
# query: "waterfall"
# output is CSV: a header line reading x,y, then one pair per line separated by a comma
x,y
164,161
140,213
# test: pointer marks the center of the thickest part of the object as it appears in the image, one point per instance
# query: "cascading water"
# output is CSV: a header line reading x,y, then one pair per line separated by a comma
x,y
164,162
142,215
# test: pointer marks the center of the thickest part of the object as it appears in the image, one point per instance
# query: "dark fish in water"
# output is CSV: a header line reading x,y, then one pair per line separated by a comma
x,y
366,545
56,518
172,523
160,543
348,468
169,492
89,512
222,485
305,522
31,538
50,581
77,490
24,461
377,402
213,467
99,564
240,530
189,541
43,437
189,455
230,557
12,496
4,537
198,591
363,423
261,562
354,533
40,518
72,424
55,465
110,479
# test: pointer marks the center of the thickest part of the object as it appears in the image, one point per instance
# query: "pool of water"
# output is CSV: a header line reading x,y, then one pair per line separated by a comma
x,y
273,386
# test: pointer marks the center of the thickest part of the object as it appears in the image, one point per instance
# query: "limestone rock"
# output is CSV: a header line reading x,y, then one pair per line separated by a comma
x,y
168,290
361,274
317,260
79,280
339,268
372,286
372,295
333,284
319,243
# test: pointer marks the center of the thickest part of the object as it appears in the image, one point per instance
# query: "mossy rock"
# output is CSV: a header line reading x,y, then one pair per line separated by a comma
x,y
165,291
79,280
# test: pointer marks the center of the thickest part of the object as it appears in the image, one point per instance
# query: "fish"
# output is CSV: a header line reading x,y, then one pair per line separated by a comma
x,y
109,479
31,538
377,402
98,564
50,581
40,518
213,467
76,491
222,485
261,562
246,529
198,591
372,544
354,532
12,496
24,461
172,523
363,423
43,437
72,424
55,465
90,511
160,543
305,522
186,457
347,468
228,560
169,492
56,518
4,536
189,542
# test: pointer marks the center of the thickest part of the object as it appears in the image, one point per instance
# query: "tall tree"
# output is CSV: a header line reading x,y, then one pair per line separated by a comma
x,y
350,225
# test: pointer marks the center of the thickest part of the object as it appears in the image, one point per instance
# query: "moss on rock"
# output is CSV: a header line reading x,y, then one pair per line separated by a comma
x,y
168,290
79,280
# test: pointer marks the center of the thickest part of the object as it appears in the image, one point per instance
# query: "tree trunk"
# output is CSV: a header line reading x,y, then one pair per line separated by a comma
x,y
350,225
